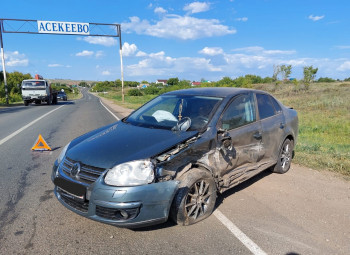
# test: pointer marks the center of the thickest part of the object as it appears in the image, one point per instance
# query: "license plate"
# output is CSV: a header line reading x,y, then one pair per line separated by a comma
x,y
73,188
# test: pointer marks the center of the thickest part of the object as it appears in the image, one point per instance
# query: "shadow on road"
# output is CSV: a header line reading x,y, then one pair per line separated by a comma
x,y
241,186
219,200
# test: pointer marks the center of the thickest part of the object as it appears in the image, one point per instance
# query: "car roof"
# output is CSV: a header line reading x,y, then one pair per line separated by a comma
x,y
34,80
217,92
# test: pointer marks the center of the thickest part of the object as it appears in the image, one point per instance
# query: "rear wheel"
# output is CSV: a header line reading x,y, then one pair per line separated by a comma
x,y
284,158
195,199
37,102
26,103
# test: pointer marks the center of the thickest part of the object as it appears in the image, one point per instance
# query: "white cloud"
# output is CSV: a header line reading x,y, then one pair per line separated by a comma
x,y
344,66
211,51
315,18
15,58
217,63
158,64
99,54
59,65
105,41
55,65
84,53
281,52
249,49
261,50
343,47
160,10
243,19
106,72
197,7
129,49
179,27
141,54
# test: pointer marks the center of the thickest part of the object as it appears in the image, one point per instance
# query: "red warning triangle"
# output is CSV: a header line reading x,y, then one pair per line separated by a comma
x,y
41,145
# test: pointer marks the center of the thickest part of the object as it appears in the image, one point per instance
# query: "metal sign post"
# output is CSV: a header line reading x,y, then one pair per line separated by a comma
x,y
59,28
3,63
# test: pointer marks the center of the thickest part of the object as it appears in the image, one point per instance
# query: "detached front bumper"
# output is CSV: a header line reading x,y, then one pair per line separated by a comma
x,y
136,206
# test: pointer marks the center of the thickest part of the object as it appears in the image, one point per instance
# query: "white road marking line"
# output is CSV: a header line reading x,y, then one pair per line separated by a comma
x,y
26,126
115,116
243,238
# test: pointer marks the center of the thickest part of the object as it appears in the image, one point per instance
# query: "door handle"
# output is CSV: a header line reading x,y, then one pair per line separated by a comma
x,y
282,125
257,136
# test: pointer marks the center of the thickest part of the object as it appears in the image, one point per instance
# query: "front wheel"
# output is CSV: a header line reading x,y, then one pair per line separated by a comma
x,y
195,199
284,158
26,103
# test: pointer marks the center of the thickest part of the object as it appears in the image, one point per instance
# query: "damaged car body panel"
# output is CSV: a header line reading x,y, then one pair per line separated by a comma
x,y
173,155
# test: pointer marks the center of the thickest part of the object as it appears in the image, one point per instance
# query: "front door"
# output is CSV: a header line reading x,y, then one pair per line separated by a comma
x,y
239,141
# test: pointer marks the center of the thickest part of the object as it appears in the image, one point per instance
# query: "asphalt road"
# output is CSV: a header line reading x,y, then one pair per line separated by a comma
x,y
301,212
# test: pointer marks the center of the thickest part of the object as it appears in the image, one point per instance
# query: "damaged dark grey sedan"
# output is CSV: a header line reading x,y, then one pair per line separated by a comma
x,y
172,156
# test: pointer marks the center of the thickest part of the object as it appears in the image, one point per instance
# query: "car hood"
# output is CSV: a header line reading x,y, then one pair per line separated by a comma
x,y
123,142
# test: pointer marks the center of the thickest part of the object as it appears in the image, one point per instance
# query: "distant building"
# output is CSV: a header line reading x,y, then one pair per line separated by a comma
x,y
196,83
163,82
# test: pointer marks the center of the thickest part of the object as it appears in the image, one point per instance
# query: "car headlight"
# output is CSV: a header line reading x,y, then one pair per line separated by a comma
x,y
131,173
62,154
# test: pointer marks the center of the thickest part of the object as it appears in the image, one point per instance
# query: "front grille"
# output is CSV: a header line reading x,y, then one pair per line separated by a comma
x,y
76,203
115,214
87,174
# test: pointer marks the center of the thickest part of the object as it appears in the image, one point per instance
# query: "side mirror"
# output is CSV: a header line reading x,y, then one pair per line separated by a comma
x,y
225,139
183,124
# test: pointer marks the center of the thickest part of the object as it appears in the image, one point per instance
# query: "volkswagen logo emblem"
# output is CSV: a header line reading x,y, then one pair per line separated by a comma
x,y
75,170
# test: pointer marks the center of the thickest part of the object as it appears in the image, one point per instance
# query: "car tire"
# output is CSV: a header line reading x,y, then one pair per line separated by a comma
x,y
284,157
26,103
195,198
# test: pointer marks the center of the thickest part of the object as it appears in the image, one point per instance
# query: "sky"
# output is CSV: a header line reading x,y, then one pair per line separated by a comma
x,y
191,40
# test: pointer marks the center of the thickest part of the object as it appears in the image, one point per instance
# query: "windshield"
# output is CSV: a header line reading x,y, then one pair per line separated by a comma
x,y
166,111
37,85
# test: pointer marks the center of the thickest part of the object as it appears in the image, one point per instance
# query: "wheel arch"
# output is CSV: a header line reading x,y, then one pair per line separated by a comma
x,y
200,166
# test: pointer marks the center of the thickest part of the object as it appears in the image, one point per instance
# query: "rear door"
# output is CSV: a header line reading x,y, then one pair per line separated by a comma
x,y
272,124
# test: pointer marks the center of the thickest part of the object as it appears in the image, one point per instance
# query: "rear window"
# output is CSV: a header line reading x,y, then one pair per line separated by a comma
x,y
33,84
277,106
265,105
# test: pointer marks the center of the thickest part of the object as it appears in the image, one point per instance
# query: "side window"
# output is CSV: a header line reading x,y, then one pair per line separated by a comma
x,y
277,106
240,112
266,108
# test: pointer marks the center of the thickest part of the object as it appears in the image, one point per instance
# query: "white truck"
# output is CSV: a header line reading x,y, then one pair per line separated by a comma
x,y
38,90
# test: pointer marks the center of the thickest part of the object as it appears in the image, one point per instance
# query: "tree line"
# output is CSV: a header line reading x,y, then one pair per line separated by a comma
x,y
281,75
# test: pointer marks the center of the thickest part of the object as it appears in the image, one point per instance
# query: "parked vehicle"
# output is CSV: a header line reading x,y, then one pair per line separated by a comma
x,y
62,96
38,90
174,155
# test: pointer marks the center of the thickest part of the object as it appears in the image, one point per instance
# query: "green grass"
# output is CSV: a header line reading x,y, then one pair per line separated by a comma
x,y
74,96
131,102
324,121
